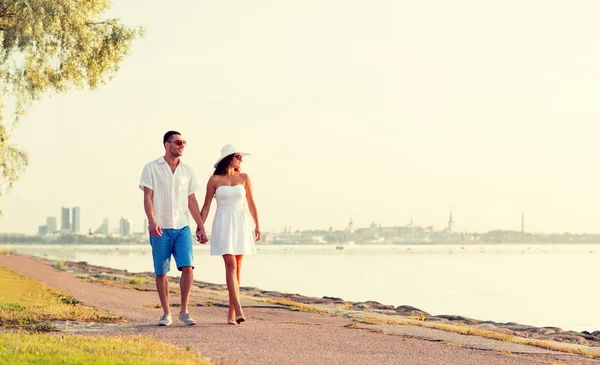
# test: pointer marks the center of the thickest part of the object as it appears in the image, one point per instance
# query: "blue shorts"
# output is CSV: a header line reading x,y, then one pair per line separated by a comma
x,y
176,242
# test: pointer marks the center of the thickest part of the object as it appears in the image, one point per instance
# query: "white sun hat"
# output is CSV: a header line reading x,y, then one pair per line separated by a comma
x,y
227,150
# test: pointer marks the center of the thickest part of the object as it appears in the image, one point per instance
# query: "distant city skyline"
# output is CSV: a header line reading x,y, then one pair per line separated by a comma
x,y
380,110
126,226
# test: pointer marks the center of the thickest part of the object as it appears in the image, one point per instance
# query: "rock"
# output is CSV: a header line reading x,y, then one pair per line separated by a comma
x,y
493,328
596,333
569,338
436,319
589,336
362,306
334,299
377,305
407,310
461,319
542,331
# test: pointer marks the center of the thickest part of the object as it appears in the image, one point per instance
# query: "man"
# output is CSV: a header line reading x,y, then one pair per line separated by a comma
x,y
169,186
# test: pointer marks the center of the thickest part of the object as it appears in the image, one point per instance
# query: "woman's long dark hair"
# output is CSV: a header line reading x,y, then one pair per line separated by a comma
x,y
223,165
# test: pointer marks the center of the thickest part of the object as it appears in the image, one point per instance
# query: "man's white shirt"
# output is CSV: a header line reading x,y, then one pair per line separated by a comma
x,y
170,191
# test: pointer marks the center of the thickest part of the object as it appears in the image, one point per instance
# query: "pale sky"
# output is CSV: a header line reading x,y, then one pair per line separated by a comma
x,y
379,110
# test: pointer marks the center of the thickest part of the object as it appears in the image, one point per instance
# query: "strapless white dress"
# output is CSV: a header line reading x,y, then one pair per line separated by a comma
x,y
232,228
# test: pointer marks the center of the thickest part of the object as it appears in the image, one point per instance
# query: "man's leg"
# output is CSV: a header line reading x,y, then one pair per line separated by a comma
x,y
185,284
162,286
184,258
161,254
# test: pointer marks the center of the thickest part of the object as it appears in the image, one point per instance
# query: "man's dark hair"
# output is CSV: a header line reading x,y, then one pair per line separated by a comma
x,y
169,134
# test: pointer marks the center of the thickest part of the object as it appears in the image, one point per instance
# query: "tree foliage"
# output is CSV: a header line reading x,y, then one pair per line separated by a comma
x,y
52,45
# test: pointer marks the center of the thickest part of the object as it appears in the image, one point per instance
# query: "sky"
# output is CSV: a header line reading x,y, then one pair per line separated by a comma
x,y
383,111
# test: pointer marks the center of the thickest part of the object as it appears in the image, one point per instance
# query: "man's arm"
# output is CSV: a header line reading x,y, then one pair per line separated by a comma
x,y
195,212
153,227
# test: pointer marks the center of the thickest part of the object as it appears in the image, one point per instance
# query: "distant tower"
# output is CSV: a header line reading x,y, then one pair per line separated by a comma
x,y
350,226
65,223
522,223
124,227
51,224
76,219
103,229
450,221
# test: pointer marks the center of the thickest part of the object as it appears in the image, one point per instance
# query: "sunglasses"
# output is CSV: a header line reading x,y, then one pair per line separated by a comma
x,y
179,142
239,157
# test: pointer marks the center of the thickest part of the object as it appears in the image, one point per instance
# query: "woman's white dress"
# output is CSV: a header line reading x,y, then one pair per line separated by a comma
x,y
232,228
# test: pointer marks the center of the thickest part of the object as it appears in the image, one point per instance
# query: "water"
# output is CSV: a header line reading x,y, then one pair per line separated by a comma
x,y
537,284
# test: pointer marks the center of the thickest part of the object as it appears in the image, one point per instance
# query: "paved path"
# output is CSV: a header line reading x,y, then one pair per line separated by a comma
x,y
276,335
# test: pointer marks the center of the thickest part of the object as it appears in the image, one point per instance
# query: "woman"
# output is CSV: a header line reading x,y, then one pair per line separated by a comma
x,y
232,236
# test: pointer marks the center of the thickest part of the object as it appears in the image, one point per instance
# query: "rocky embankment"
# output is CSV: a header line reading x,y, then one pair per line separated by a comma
x,y
338,306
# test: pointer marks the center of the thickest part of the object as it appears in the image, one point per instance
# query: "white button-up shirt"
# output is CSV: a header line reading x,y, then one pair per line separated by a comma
x,y
170,191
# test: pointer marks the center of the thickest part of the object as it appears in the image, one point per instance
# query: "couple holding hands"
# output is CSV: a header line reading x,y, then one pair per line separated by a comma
x,y
169,187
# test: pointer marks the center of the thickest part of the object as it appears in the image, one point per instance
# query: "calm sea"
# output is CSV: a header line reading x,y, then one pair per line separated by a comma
x,y
534,284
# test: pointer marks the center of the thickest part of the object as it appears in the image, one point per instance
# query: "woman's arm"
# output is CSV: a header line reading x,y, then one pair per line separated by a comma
x,y
195,212
210,193
252,206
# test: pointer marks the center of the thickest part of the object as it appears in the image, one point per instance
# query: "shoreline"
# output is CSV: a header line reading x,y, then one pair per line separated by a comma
x,y
368,312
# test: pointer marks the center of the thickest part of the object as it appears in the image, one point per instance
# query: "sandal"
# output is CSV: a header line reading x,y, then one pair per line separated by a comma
x,y
240,319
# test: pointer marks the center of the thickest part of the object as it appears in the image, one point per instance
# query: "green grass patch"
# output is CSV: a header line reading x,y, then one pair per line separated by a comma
x,y
28,304
138,280
61,266
21,348
6,251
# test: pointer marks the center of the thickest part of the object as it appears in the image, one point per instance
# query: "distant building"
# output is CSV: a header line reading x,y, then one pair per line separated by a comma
x,y
125,227
50,225
65,223
103,229
42,230
76,220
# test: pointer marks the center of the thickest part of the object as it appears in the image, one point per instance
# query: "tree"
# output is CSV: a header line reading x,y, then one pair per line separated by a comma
x,y
52,45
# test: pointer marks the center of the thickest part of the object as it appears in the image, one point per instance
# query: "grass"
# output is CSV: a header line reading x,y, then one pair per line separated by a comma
x,y
473,331
60,265
27,310
6,251
295,306
19,348
138,280
28,304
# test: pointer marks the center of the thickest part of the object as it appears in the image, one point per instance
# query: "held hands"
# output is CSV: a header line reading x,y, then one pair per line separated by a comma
x,y
257,234
154,229
201,235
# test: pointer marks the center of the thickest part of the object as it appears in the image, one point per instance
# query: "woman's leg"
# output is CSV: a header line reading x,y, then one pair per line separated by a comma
x,y
238,260
231,277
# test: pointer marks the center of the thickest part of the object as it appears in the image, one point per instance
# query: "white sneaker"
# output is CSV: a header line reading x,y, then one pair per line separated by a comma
x,y
185,318
165,320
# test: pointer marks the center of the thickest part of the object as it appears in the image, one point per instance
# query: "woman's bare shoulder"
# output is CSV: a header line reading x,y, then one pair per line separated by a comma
x,y
244,176
214,179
